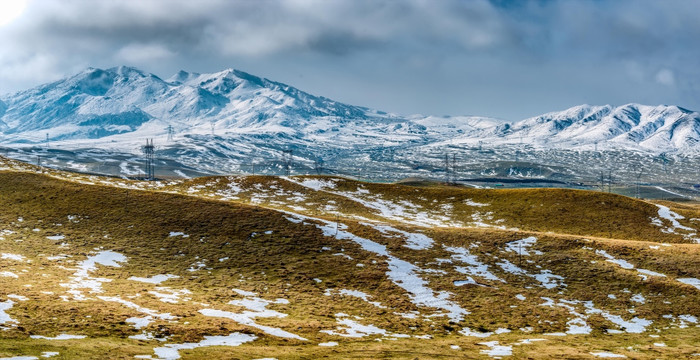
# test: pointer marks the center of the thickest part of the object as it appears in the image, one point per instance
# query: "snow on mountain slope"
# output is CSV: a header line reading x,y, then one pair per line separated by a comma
x,y
456,125
92,104
632,126
234,117
635,127
95,106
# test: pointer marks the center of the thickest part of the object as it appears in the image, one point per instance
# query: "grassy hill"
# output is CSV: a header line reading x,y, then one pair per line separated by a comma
x,y
311,267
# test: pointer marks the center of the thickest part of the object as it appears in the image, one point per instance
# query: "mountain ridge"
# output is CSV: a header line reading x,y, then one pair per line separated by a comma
x,y
233,100
233,119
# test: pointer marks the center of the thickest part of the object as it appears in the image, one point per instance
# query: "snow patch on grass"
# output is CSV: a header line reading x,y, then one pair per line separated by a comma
x,y
171,296
578,325
650,273
691,281
15,257
172,351
633,326
545,277
469,332
81,278
604,354
496,350
522,246
314,184
474,268
138,322
155,279
401,273
353,328
619,262
638,298
479,220
5,317
470,202
673,217
256,308
178,233
469,281
355,293
643,273
414,241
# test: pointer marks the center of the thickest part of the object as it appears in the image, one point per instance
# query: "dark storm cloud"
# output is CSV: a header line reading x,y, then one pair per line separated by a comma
x,y
340,43
501,58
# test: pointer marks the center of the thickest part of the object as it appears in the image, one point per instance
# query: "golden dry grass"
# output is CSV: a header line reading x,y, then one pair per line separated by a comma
x,y
285,262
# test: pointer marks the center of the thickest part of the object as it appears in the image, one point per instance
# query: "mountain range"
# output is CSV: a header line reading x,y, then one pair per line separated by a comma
x,y
237,116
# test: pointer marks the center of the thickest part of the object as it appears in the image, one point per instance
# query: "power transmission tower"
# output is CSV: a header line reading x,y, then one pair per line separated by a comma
x,y
454,167
171,133
287,161
149,151
318,166
664,160
639,176
447,169
450,169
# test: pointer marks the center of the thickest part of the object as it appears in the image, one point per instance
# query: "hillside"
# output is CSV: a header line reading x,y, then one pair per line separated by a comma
x,y
310,267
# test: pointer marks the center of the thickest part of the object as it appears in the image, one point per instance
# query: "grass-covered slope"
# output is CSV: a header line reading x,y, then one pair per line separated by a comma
x,y
561,211
319,267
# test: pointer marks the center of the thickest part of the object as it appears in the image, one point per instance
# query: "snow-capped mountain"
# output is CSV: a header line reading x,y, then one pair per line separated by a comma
x,y
632,126
230,119
96,103
230,115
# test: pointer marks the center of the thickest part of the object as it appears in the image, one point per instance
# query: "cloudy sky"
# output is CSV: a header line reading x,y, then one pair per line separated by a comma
x,y
499,58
